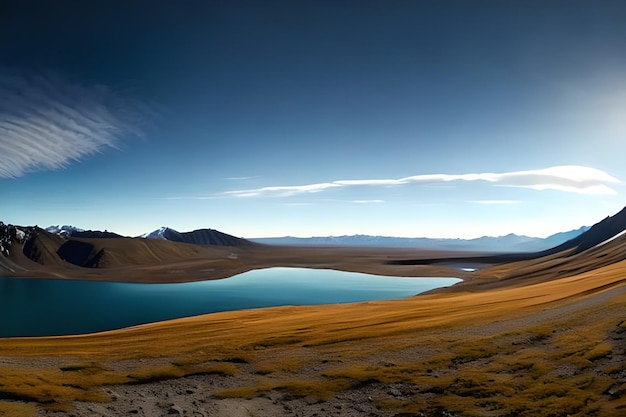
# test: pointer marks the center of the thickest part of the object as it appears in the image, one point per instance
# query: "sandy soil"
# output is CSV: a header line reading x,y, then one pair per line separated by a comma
x,y
193,396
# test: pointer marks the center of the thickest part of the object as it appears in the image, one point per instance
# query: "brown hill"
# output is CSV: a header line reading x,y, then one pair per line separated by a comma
x,y
120,259
199,237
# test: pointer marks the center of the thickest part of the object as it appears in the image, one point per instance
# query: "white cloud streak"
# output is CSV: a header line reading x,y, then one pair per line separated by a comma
x,y
285,191
238,178
566,178
495,202
46,122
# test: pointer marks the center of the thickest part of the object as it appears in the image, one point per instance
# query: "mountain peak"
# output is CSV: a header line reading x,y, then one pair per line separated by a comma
x,y
158,233
198,237
71,231
64,231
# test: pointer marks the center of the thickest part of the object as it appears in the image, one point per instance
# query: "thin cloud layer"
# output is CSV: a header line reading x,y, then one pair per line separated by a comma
x,y
568,178
285,191
46,123
495,202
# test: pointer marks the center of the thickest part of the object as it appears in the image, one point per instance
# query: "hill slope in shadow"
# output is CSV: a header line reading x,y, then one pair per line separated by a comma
x,y
198,237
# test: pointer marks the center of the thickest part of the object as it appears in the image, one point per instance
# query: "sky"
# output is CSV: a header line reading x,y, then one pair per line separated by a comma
x,y
419,118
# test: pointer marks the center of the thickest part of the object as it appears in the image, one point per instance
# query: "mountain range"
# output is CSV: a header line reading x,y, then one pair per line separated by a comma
x,y
592,242
196,237
508,243
169,256
71,231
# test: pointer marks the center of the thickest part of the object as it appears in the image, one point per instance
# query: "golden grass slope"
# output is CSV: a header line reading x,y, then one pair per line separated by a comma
x,y
552,348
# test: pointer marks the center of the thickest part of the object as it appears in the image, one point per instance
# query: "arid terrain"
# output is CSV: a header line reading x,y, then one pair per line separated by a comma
x,y
536,335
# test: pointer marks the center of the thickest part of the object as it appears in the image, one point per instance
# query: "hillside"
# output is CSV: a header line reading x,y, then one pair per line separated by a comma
x,y
198,237
602,244
599,233
46,254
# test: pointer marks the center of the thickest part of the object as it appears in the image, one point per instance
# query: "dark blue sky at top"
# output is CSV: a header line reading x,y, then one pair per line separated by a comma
x,y
340,89
222,70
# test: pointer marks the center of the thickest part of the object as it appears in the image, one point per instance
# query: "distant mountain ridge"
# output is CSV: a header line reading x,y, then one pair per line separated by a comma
x,y
71,231
610,232
63,231
197,237
507,243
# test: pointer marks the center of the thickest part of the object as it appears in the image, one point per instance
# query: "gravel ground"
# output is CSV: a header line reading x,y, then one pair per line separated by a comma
x,y
196,395
193,396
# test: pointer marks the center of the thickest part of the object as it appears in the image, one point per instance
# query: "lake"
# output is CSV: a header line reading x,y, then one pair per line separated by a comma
x,y
47,307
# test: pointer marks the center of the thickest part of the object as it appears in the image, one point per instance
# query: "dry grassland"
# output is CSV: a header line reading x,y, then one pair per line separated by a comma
x,y
553,348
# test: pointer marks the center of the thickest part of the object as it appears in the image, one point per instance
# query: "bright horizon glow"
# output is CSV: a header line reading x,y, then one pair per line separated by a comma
x,y
411,119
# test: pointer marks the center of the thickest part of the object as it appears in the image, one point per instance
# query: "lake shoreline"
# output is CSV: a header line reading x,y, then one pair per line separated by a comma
x,y
294,361
216,262
29,300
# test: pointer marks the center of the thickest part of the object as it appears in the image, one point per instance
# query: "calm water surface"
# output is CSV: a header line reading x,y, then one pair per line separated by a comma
x,y
45,307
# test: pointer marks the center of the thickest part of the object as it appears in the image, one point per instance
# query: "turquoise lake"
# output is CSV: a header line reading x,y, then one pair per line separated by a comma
x,y
47,307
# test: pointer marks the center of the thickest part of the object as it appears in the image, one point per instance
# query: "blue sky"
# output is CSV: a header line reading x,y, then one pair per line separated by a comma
x,y
406,118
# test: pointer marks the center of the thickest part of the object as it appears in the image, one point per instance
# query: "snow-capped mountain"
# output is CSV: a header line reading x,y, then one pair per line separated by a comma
x,y
507,243
71,231
64,230
157,234
198,237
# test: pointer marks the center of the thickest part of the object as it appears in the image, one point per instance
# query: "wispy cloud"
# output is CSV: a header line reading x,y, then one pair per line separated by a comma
x,y
238,178
284,191
46,122
193,197
495,202
567,178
